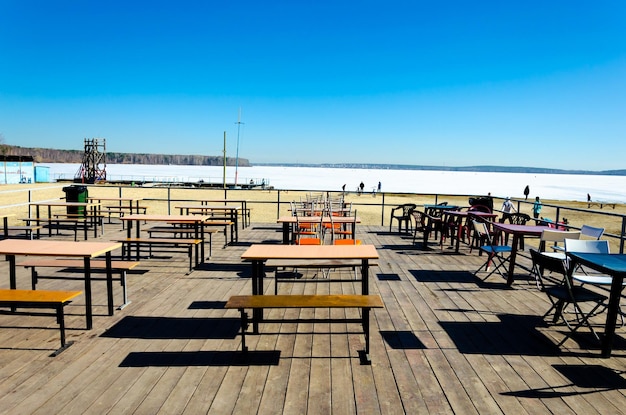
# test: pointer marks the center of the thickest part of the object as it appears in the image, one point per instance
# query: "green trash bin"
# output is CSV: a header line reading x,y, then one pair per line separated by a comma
x,y
76,194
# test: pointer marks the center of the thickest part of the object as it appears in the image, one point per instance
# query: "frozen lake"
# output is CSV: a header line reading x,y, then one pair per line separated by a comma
x,y
546,186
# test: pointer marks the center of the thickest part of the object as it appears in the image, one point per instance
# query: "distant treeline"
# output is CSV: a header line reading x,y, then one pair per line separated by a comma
x,y
49,155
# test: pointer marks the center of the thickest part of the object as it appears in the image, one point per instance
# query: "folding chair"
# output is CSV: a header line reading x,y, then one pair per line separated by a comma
x,y
561,293
556,237
495,253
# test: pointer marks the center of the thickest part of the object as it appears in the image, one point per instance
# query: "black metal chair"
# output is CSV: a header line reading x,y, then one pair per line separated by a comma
x,y
562,292
402,214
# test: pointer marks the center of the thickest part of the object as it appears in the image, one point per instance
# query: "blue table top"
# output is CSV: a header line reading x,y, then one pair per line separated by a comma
x,y
612,264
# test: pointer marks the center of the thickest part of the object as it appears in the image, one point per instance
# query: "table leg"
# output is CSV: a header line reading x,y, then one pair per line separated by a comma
x,y
611,315
257,289
12,273
109,283
365,277
514,245
88,303
286,227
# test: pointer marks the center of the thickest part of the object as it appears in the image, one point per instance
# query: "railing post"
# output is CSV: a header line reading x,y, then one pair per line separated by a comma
x,y
169,200
621,237
278,206
382,211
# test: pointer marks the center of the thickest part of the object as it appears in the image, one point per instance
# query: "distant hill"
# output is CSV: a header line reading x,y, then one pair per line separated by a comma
x,y
495,169
48,155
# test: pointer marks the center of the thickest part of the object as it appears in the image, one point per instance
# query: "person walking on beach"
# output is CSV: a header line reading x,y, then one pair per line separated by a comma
x,y
507,207
526,192
380,186
361,187
343,189
536,208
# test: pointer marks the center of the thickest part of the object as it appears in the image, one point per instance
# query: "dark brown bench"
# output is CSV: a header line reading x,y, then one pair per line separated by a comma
x,y
260,302
56,300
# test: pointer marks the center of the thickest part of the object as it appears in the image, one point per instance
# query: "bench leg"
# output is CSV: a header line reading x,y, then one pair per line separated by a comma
x,y
124,292
366,331
244,327
61,321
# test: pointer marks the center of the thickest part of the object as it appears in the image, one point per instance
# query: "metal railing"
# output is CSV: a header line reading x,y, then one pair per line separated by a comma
x,y
373,208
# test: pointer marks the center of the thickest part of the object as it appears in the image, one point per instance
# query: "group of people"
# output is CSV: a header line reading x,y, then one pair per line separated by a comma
x,y
508,207
361,188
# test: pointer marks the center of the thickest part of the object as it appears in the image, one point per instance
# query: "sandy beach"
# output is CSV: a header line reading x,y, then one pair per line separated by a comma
x,y
14,200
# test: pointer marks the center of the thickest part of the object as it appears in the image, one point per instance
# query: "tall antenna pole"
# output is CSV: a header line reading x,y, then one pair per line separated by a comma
x,y
224,159
237,154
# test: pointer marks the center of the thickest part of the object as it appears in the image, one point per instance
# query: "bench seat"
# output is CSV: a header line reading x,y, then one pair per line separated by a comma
x,y
260,302
28,230
171,242
56,300
121,267
323,264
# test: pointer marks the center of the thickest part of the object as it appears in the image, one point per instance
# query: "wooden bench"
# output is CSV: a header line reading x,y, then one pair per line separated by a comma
x,y
223,223
324,264
181,232
120,211
59,223
128,243
260,302
27,230
41,299
121,267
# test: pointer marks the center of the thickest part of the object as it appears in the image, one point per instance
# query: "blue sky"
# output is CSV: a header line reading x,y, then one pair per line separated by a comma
x,y
454,83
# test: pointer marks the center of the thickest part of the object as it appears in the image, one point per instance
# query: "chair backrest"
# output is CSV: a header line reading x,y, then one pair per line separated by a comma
x,y
549,235
592,231
518,218
587,246
543,262
308,233
481,229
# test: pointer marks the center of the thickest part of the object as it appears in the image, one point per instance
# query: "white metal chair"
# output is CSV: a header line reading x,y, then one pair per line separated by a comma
x,y
592,231
557,237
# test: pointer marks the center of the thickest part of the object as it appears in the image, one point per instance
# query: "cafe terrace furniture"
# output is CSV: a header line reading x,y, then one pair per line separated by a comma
x,y
55,300
562,292
459,224
402,214
65,249
121,267
495,253
289,221
123,205
245,211
136,239
91,216
260,302
260,253
615,266
217,215
518,232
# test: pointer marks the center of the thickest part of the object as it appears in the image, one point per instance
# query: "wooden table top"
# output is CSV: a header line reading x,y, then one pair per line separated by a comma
x,y
56,248
267,251
85,204
325,219
166,218
208,207
520,229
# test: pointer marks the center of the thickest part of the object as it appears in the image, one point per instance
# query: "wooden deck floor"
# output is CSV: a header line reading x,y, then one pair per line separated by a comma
x,y
444,343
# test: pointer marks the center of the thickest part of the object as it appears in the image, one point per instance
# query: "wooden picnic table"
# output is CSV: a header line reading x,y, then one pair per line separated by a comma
x,y
66,249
